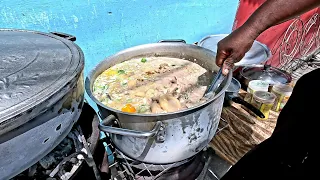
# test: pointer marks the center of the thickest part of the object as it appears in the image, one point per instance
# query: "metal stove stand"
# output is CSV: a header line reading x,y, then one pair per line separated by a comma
x,y
121,167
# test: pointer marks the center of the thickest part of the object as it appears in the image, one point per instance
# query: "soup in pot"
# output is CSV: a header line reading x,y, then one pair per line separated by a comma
x,y
151,85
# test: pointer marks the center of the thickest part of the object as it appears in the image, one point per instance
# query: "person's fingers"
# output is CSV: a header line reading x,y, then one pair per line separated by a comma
x,y
219,59
227,65
221,56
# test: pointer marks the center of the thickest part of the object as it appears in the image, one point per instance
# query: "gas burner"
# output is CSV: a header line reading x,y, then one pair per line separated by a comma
x,y
189,169
198,167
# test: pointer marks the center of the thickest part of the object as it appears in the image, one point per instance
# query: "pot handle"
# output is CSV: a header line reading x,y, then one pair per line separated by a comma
x,y
158,129
64,35
173,40
249,106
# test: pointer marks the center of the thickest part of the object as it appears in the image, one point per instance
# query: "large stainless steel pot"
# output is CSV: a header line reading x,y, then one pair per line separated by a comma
x,y
41,95
162,138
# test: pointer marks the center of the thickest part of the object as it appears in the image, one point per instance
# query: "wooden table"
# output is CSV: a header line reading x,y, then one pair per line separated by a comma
x,y
243,132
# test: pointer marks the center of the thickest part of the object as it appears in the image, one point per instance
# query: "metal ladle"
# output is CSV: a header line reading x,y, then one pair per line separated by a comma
x,y
231,93
215,83
217,79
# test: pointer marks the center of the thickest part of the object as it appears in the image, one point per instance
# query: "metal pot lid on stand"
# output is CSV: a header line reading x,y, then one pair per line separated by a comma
x,y
258,54
34,66
269,74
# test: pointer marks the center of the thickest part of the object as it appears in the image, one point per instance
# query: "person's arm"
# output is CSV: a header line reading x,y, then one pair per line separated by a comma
x,y
232,48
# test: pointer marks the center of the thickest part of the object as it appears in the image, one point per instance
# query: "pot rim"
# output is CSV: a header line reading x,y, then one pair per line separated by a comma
x,y
92,72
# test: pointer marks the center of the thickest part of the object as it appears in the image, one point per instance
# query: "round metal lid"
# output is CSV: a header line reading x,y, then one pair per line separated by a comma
x,y
268,74
33,67
259,53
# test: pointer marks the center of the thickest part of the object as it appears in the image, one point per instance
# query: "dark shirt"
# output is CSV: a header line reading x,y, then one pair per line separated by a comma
x,y
292,150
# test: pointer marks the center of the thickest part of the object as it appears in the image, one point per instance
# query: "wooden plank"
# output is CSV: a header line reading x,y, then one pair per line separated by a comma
x,y
244,132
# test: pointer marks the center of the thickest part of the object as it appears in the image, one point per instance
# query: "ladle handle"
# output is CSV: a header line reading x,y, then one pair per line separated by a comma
x,y
249,106
105,127
214,83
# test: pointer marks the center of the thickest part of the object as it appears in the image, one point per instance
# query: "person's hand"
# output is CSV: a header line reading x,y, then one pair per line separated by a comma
x,y
232,48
